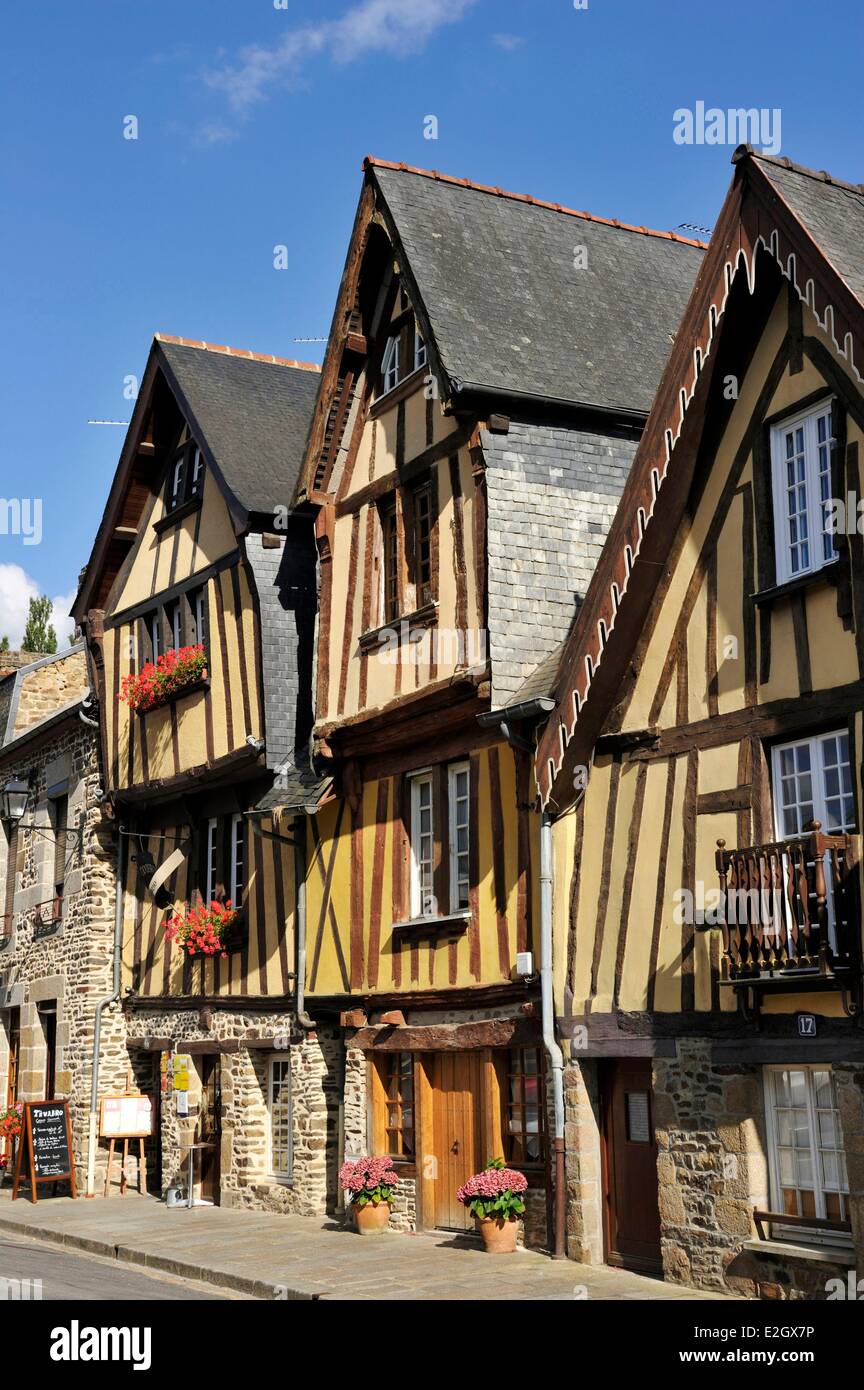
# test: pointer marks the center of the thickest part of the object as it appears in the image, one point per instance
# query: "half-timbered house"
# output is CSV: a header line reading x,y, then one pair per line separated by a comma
x,y
199,568
702,769
480,403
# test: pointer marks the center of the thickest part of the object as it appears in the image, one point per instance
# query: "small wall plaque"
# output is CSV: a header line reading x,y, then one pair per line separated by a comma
x,y
806,1025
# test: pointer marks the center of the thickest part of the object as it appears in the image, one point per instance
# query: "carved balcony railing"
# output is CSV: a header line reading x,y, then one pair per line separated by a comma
x,y
792,909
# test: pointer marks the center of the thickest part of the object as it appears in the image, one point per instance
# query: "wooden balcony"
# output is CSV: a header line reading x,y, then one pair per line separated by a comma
x,y
792,911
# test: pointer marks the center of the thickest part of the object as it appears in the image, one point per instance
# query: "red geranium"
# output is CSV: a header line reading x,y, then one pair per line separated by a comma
x,y
12,1121
153,685
202,930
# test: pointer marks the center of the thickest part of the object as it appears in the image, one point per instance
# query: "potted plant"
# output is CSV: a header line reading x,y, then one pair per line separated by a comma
x,y
175,671
370,1183
203,930
494,1198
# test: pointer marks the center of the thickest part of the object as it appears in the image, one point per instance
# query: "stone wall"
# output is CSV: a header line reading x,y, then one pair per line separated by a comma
x,y
67,964
245,1179
50,685
713,1171
583,1162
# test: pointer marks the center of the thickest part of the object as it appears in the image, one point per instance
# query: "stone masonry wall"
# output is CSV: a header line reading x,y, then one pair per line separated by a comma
x,y
245,1180
583,1163
713,1171
70,962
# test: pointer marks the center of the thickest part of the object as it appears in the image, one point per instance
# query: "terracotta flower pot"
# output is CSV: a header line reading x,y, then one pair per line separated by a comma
x,y
499,1236
372,1220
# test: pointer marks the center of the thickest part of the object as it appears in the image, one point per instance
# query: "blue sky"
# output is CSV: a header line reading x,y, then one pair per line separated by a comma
x,y
252,124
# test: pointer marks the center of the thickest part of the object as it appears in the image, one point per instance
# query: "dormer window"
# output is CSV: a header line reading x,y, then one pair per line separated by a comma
x,y
185,476
390,375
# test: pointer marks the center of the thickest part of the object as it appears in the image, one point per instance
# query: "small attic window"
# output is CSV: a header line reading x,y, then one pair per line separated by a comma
x,y
185,476
390,364
420,357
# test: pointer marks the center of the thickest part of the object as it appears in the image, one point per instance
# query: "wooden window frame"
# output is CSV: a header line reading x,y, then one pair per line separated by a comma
x,y
453,854
391,560
283,1175
802,1234
389,1138
515,1071
813,474
153,628
422,510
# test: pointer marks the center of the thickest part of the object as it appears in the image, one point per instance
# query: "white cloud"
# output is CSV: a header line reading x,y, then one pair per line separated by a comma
x,y
508,42
16,590
400,27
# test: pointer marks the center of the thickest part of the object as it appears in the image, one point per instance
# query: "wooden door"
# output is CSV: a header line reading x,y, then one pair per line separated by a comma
x,y
209,1129
630,1167
456,1102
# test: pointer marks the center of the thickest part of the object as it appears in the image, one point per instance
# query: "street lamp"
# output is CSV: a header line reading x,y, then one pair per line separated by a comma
x,y
13,801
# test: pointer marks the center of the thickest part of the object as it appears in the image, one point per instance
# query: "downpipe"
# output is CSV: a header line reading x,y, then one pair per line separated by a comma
x,y
298,841
550,1042
92,1134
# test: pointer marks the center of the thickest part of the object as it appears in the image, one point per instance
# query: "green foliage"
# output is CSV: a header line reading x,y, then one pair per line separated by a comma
x,y
4,643
39,635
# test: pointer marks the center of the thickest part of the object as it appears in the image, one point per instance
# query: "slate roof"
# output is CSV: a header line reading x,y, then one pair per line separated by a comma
x,y
12,687
508,311
297,787
831,210
551,495
253,412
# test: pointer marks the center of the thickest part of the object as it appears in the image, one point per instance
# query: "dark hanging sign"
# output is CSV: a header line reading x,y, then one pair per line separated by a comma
x,y
45,1148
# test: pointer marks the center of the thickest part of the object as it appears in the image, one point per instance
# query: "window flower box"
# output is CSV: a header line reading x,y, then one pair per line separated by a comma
x,y
177,672
203,932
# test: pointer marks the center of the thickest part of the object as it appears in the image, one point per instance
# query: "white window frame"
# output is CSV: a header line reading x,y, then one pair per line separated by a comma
x,y
453,772
817,775
817,787
814,505
197,471
237,881
420,779
421,356
176,621
390,374
212,841
154,624
803,1234
284,1064
178,481
201,616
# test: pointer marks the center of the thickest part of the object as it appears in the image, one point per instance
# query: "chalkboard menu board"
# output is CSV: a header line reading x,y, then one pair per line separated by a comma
x,y
47,1143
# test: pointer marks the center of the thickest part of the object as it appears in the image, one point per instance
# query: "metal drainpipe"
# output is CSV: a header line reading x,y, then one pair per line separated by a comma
x,y
556,1057
97,1027
300,888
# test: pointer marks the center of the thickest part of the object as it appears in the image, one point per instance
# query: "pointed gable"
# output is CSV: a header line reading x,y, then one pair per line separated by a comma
x,y
777,217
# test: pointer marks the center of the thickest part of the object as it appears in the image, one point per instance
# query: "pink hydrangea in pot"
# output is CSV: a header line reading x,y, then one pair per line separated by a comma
x,y
494,1198
370,1183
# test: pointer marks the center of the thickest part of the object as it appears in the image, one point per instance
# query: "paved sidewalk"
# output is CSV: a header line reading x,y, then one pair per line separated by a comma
x,y
268,1256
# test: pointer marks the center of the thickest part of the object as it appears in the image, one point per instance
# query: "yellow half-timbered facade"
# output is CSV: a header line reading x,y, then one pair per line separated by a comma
x,y
441,462
702,770
199,604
